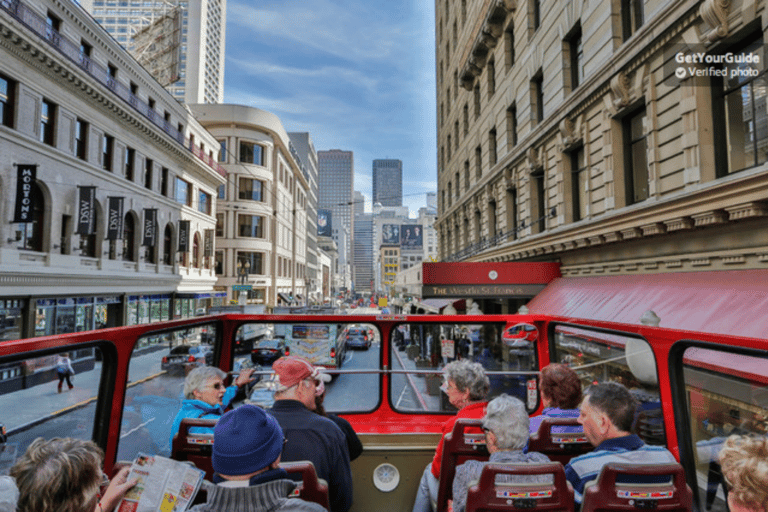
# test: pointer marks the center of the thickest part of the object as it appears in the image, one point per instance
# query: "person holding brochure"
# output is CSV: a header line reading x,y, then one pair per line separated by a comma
x,y
247,443
206,396
64,475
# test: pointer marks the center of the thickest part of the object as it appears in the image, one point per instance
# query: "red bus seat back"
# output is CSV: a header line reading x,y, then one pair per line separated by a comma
x,y
460,445
195,448
560,446
311,488
609,495
490,495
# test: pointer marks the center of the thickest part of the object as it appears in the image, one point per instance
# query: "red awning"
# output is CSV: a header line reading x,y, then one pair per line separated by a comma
x,y
720,302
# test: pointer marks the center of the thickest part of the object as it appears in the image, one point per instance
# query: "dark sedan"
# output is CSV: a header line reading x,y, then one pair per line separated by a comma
x,y
267,351
358,338
184,358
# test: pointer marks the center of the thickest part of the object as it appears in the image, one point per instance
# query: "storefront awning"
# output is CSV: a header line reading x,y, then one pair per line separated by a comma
x,y
720,302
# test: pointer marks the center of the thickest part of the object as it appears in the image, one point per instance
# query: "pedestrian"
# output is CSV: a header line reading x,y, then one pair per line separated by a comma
x,y
64,370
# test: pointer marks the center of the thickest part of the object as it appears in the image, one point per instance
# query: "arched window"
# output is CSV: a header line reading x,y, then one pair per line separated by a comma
x,y
168,245
196,252
32,232
129,242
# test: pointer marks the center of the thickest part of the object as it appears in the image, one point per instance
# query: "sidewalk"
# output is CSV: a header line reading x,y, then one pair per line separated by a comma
x,y
418,383
27,407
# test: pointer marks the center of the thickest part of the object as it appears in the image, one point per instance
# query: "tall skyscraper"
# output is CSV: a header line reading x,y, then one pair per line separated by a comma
x,y
388,182
193,34
363,249
336,178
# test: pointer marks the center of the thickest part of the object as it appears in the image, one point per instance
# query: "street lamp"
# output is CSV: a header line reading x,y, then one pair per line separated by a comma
x,y
242,278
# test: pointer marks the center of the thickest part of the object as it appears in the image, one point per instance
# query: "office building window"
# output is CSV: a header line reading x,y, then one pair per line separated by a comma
x,y
149,169
183,192
537,98
511,127
509,46
251,190
204,202
251,153
107,151
250,226
574,53
81,139
579,184
130,161
7,100
47,122
492,154
631,17
223,150
636,157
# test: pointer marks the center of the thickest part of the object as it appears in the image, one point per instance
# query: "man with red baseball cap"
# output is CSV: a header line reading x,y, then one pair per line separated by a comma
x,y
311,436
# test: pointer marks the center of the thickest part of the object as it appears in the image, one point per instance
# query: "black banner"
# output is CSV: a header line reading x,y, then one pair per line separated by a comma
x,y
86,210
183,236
149,228
208,249
27,174
115,218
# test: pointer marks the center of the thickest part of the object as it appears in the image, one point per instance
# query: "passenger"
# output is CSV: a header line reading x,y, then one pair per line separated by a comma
x,y
9,494
353,442
466,386
310,436
206,397
64,475
506,433
744,462
246,454
560,390
607,413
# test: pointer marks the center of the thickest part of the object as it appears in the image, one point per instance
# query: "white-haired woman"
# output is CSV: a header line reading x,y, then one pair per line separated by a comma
x,y
506,434
206,397
467,386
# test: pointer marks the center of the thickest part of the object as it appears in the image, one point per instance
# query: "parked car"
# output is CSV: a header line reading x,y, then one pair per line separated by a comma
x,y
267,350
358,337
183,358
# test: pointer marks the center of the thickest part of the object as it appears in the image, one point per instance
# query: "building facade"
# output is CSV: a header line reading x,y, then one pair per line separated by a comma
x,y
387,179
261,227
196,42
363,262
574,134
336,180
108,185
306,154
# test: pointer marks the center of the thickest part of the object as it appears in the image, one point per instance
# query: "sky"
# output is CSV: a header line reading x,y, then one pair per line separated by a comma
x,y
357,75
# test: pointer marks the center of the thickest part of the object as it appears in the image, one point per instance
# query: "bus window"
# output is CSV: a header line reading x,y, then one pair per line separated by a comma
x,y
421,350
159,363
349,352
615,357
726,394
34,402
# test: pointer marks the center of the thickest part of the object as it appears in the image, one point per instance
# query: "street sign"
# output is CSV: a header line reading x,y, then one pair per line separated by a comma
x,y
242,287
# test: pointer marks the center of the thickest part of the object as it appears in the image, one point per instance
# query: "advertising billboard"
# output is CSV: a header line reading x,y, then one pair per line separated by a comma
x,y
390,234
411,236
324,225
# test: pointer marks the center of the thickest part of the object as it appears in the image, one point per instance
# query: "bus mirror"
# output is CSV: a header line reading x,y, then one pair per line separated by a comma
x,y
641,362
520,335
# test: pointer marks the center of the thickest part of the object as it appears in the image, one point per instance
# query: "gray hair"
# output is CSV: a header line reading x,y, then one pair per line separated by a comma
x,y
468,376
507,418
198,378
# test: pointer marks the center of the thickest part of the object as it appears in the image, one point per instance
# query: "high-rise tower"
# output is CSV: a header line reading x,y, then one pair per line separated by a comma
x,y
336,178
191,55
388,182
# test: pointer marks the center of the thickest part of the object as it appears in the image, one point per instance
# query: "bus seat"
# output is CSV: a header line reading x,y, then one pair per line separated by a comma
x,y
488,495
459,446
606,494
311,488
195,448
560,446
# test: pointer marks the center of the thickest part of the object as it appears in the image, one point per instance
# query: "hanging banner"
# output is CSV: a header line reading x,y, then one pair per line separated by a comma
x,y
208,249
183,236
27,174
149,228
86,210
115,218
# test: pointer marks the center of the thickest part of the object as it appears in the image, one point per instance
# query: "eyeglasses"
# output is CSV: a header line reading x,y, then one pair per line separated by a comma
x,y
217,386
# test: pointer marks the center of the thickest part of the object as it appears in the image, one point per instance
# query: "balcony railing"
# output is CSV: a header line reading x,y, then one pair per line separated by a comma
x,y
72,51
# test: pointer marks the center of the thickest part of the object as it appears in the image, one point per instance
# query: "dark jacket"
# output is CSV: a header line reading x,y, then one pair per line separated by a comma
x,y
317,439
353,442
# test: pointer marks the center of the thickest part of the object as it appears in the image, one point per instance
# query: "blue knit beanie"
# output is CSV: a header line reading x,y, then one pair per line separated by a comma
x,y
245,440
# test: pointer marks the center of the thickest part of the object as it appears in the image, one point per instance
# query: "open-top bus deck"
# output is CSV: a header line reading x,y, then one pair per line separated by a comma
x,y
694,388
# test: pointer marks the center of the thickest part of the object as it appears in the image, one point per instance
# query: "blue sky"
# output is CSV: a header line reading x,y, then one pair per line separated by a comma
x,y
357,75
